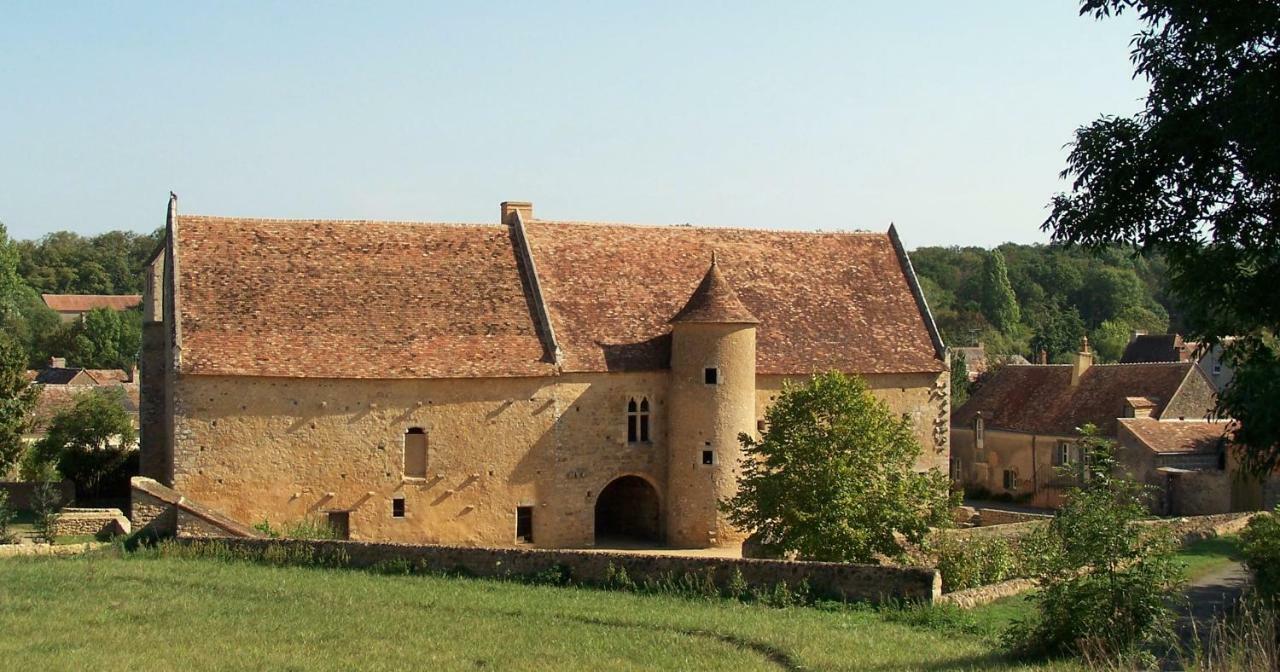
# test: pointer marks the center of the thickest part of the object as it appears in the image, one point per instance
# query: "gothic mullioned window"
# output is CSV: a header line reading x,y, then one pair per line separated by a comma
x,y
638,421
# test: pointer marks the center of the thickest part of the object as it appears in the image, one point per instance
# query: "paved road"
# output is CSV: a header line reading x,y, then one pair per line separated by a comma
x,y
1208,597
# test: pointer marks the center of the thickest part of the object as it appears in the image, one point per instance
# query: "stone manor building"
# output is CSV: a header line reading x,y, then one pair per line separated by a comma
x,y
531,381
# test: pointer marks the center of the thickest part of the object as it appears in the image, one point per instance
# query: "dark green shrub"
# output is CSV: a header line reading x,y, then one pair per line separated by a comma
x,y
7,515
1261,539
1106,580
46,501
969,561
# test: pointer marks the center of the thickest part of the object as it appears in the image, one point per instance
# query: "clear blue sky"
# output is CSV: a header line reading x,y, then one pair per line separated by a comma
x,y
947,118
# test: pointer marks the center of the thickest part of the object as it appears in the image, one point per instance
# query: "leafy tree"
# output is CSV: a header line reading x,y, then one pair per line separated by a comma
x,y
833,476
68,263
46,501
10,282
1105,578
101,339
17,399
1057,330
1110,339
7,517
92,442
1195,177
998,302
959,380
1261,547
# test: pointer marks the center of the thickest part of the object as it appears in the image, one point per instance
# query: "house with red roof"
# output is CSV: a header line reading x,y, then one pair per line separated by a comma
x,y
526,381
1020,428
71,306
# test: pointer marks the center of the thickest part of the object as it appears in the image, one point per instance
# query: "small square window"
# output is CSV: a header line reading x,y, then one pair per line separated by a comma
x,y
711,375
524,524
760,426
397,507
708,457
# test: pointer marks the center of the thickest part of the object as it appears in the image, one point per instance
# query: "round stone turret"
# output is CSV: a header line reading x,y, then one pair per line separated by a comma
x,y
713,387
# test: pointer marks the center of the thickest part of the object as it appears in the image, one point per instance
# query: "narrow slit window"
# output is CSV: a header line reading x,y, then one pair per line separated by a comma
x,y
524,524
708,457
397,507
711,375
644,420
415,453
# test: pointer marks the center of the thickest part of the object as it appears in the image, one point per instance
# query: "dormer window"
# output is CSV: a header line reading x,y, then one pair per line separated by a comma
x,y
638,420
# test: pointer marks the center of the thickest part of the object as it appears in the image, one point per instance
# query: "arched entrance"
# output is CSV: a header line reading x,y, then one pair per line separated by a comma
x,y
627,512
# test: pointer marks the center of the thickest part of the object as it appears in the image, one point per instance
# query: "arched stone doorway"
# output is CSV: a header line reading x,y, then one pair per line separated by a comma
x,y
627,511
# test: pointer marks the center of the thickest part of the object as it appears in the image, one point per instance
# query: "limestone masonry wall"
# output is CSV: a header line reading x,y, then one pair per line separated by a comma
x,y
78,522
874,583
288,449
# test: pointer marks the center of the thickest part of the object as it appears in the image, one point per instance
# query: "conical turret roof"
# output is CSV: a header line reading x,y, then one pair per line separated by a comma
x,y
714,301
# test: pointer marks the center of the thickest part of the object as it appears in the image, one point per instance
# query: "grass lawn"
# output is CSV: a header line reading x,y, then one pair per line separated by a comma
x,y
1208,555
105,612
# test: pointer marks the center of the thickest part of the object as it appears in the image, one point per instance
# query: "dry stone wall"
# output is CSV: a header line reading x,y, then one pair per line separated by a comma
x,y
872,583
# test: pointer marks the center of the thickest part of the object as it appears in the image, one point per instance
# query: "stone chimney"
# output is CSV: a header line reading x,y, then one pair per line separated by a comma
x,y
1081,362
1136,334
57,362
1043,357
525,209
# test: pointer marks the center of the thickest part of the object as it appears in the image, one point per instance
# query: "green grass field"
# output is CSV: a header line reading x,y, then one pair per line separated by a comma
x,y
106,612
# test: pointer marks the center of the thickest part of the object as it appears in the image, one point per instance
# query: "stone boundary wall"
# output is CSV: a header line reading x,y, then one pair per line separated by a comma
x,y
990,517
849,582
20,493
23,550
71,522
975,597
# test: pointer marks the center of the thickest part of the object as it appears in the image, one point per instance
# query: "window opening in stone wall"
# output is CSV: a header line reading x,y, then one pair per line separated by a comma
x,y
1010,480
397,507
415,453
638,421
1062,455
711,375
524,524
708,457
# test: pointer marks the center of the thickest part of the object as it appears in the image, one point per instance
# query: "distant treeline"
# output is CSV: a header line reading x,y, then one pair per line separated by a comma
x,y
68,263
1019,299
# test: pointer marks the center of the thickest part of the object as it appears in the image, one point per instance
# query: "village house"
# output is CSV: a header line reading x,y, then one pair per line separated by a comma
x,y
1144,347
533,381
1021,426
71,306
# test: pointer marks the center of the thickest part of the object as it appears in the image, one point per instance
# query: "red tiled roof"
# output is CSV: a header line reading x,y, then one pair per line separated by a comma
x,y
80,303
399,300
714,301
1177,436
330,299
1040,398
824,300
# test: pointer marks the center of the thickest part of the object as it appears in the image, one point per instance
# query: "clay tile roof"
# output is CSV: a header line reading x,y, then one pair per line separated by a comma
x,y
1155,348
1040,399
332,299
824,300
1177,436
80,303
714,301
55,398
1142,402
64,376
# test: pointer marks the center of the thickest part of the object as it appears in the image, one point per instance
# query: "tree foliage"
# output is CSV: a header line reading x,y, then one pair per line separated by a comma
x,y
68,263
90,442
999,305
1105,578
1059,294
1195,178
17,399
959,380
833,477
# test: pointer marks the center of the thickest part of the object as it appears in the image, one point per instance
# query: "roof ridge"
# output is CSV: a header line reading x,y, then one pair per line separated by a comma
x,y
288,220
708,227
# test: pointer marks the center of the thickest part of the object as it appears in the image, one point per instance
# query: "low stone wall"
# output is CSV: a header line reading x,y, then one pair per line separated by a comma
x,y
15,550
1194,528
20,493
73,522
871,583
975,597
989,517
